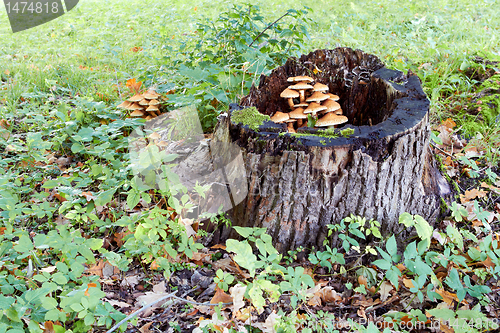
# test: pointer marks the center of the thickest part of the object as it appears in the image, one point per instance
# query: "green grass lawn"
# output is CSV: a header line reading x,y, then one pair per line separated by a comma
x,y
65,183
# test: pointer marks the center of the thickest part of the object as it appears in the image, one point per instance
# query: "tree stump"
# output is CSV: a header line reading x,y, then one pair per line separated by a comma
x,y
299,184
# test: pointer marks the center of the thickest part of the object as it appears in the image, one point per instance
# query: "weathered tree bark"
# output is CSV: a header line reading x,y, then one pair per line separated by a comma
x,y
299,184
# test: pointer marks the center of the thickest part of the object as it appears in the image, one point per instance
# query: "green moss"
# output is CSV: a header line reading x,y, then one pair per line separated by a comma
x,y
347,132
250,117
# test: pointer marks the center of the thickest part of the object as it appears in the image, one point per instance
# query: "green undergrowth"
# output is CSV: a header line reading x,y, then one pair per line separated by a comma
x,y
67,186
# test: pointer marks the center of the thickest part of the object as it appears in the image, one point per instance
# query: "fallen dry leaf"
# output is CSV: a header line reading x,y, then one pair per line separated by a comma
x,y
120,304
145,328
487,263
385,289
445,328
447,296
361,313
149,297
270,323
134,85
329,295
491,187
49,327
244,314
363,281
136,49
449,123
237,292
408,283
130,281
472,194
221,297
187,223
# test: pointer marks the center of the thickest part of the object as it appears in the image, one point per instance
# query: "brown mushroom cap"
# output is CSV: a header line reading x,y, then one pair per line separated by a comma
x,y
154,136
331,119
298,114
338,112
280,117
136,98
137,113
154,102
333,97
124,105
152,108
135,106
314,107
318,96
320,87
331,105
144,102
289,93
300,86
151,94
302,105
300,78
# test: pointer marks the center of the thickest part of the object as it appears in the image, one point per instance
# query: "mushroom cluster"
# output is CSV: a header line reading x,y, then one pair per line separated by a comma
x,y
313,100
145,105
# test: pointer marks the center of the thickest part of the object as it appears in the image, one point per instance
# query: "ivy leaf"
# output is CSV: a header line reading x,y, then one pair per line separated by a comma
x,y
455,236
24,244
393,275
392,246
407,220
133,198
445,314
424,230
105,197
244,255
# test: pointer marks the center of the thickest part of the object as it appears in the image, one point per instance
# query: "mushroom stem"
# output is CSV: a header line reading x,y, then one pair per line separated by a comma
x,y
302,96
290,102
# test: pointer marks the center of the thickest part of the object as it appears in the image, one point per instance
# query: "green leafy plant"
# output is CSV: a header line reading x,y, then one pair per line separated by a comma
x,y
232,52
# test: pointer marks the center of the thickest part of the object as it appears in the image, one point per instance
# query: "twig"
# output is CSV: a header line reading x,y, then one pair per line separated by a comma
x,y
387,302
147,306
441,150
269,26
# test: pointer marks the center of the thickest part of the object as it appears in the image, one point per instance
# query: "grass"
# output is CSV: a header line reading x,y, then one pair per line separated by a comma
x,y
62,135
